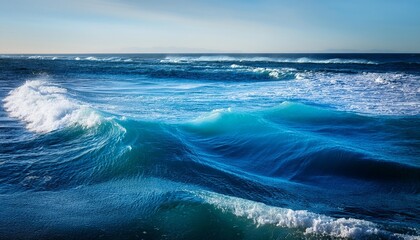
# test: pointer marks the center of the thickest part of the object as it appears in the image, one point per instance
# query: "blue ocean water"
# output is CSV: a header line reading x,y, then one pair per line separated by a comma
x,y
207,146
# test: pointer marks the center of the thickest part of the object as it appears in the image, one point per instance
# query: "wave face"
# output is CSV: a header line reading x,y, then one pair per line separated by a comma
x,y
210,146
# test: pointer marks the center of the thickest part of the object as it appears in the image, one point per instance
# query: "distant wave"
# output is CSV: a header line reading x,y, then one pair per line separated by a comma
x,y
107,59
45,107
367,77
68,58
97,59
174,59
276,73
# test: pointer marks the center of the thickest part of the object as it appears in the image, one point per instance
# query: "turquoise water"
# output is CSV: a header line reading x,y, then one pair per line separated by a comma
x,y
274,146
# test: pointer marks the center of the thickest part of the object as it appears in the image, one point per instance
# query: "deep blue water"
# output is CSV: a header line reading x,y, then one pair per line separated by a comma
x,y
267,146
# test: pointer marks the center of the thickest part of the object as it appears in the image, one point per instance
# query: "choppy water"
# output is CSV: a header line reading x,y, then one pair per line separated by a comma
x,y
293,146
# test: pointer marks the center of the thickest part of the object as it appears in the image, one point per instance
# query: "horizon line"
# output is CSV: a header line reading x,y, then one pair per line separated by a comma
x,y
207,53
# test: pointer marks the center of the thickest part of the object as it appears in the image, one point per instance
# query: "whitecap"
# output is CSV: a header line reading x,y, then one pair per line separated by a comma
x,y
92,59
236,66
45,107
309,222
271,72
35,57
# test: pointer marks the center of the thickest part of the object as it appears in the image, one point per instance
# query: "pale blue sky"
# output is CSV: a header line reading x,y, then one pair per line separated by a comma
x,y
112,26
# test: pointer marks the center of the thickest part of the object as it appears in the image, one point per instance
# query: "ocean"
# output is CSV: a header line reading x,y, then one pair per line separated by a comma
x,y
210,146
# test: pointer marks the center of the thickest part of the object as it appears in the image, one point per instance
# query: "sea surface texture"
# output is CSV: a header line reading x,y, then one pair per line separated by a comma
x,y
210,146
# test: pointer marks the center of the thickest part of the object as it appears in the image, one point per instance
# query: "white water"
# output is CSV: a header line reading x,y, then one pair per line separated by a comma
x,y
45,107
309,222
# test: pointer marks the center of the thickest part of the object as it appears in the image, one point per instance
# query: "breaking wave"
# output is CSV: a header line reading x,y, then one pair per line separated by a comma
x,y
310,223
45,107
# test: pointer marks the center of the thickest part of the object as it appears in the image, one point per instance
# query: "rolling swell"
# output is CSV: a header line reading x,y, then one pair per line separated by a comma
x,y
276,143
247,167
287,142
174,211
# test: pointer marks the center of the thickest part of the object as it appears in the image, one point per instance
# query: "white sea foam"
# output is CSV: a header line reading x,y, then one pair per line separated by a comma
x,y
271,72
92,59
108,59
309,222
221,58
45,107
36,57
369,92
333,60
70,58
42,57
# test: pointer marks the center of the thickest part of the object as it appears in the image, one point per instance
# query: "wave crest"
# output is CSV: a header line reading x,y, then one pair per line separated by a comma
x,y
311,223
45,107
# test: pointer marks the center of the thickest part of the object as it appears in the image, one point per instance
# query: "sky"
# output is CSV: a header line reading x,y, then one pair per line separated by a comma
x,y
235,26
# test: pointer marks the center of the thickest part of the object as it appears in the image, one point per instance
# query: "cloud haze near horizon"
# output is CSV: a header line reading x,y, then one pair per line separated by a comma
x,y
129,26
